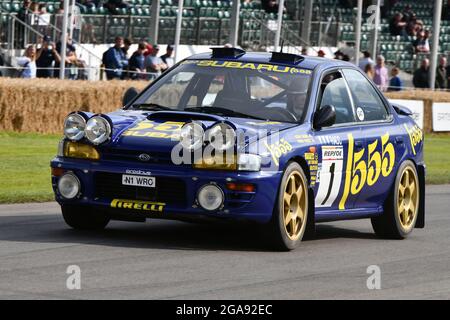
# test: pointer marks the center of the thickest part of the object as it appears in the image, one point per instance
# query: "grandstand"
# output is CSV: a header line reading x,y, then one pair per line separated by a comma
x,y
207,22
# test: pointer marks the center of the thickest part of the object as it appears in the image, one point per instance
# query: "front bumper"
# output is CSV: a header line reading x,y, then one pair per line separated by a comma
x,y
255,206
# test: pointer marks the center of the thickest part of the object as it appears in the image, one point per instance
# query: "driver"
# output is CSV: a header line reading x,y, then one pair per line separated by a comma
x,y
296,97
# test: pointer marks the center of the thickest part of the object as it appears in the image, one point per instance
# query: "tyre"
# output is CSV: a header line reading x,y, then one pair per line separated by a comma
x,y
402,206
290,214
84,218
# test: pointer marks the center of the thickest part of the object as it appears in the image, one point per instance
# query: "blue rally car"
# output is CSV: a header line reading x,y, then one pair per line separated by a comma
x,y
279,139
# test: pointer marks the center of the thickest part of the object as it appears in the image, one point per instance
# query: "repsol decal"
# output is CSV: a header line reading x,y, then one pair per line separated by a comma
x,y
138,205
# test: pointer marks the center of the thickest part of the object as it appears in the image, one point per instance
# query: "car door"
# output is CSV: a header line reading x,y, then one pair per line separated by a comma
x,y
385,142
334,144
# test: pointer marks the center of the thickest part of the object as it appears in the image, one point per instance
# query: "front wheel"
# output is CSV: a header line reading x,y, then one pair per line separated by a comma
x,y
402,207
84,218
291,211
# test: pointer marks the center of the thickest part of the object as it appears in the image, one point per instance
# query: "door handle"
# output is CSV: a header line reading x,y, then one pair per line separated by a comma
x,y
359,145
399,140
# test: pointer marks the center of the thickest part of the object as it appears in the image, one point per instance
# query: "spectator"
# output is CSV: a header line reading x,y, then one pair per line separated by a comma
x,y
71,58
421,44
304,51
270,6
381,76
441,74
44,19
167,58
136,64
339,55
45,57
22,15
115,60
408,13
414,26
321,53
364,61
114,5
148,49
397,26
28,63
370,71
126,46
421,75
154,64
395,84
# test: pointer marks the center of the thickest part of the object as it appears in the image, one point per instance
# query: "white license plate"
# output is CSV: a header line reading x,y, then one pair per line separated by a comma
x,y
138,181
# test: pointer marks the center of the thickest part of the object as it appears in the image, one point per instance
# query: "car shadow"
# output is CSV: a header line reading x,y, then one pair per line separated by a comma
x,y
155,234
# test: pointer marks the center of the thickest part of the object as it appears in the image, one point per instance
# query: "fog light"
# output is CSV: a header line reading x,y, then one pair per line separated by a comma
x,y
210,197
69,186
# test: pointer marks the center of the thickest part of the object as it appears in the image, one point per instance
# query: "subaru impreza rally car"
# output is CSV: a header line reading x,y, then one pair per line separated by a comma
x,y
279,139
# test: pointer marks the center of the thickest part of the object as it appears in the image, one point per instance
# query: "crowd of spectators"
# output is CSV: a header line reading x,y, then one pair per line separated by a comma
x,y
421,76
43,60
144,64
407,23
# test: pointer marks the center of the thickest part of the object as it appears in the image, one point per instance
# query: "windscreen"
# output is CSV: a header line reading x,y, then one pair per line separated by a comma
x,y
231,89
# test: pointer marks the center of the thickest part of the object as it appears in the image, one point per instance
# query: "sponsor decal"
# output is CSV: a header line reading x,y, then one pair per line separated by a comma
x,y
330,175
151,129
304,138
138,172
415,136
360,114
360,173
252,66
330,140
263,123
138,205
278,149
312,158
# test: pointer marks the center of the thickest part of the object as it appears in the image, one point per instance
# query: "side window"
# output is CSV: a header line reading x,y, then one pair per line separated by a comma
x,y
368,104
335,93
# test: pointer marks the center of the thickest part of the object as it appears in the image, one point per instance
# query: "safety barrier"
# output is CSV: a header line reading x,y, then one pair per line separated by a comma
x,y
40,105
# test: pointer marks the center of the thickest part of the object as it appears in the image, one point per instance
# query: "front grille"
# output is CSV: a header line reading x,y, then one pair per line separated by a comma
x,y
133,156
168,190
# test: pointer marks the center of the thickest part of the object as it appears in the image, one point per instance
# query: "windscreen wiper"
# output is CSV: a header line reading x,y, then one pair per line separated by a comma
x,y
150,106
222,112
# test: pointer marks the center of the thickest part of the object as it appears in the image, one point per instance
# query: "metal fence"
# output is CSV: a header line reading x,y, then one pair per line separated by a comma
x,y
195,30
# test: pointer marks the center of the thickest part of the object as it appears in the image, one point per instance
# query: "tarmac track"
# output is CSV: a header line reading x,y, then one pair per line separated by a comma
x,y
175,260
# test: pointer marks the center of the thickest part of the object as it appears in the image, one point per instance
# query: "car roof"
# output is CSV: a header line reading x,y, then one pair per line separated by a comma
x,y
308,62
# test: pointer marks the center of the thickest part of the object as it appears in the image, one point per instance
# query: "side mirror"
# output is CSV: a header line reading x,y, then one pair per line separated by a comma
x,y
129,95
325,117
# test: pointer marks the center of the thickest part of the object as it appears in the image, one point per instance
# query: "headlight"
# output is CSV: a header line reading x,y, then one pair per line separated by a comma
x,y
222,136
222,162
74,127
98,130
191,136
80,150
69,186
210,197
249,162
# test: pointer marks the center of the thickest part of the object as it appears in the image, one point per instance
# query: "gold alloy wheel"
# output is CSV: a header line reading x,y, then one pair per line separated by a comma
x,y
294,205
408,198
